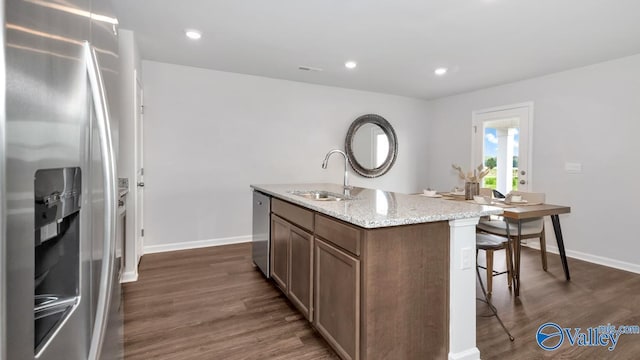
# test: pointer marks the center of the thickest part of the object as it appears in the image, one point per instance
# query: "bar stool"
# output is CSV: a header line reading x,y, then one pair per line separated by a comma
x,y
530,228
490,243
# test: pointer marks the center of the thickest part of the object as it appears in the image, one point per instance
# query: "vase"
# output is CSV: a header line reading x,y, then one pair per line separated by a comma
x,y
471,189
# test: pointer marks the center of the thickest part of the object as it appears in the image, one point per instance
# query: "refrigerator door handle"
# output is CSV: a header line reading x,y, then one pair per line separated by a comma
x,y
108,166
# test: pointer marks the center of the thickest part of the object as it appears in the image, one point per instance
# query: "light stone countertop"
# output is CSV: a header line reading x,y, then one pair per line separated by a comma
x,y
376,208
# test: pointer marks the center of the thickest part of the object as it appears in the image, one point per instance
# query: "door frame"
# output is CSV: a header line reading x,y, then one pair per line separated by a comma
x,y
139,167
476,148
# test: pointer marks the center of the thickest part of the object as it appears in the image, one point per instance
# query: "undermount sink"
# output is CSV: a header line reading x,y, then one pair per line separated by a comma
x,y
322,195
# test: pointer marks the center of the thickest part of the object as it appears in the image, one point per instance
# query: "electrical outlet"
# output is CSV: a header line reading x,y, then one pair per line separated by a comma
x,y
467,254
573,168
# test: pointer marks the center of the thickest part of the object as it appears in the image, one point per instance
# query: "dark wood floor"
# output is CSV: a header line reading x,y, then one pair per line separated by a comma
x,y
596,295
212,304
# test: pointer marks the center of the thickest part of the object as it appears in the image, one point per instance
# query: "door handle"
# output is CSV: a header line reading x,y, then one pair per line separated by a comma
x,y
141,184
110,211
522,182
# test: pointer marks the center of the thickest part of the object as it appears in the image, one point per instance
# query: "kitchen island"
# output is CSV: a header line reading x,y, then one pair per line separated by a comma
x,y
380,275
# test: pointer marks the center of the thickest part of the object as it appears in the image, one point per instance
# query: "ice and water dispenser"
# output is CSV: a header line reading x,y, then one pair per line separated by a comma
x,y
56,250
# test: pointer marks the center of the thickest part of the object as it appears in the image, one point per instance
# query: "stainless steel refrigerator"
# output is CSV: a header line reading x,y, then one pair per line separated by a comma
x,y
60,294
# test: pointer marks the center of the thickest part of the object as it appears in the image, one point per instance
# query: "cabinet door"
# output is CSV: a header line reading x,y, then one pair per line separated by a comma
x,y
337,299
300,271
280,230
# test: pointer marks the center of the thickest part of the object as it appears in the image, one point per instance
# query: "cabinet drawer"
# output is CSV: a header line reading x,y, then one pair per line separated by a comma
x,y
297,215
345,236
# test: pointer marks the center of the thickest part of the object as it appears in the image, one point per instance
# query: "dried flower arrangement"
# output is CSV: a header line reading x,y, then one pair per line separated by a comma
x,y
472,176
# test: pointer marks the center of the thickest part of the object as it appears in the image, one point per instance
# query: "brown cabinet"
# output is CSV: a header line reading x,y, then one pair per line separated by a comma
x,y
291,255
300,270
337,298
302,218
280,230
344,236
371,293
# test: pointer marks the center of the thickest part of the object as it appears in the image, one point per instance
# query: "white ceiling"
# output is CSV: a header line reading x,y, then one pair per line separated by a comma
x,y
396,43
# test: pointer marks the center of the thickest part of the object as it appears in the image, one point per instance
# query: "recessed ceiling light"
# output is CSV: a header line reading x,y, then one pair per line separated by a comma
x,y
350,64
193,34
440,71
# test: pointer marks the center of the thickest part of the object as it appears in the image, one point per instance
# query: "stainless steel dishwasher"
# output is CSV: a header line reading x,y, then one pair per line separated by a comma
x,y
261,243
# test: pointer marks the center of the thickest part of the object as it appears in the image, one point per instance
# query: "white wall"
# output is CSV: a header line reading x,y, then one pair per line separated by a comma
x,y
129,63
209,134
589,115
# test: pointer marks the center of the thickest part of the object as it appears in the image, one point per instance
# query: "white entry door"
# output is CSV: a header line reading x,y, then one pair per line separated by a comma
x,y
501,140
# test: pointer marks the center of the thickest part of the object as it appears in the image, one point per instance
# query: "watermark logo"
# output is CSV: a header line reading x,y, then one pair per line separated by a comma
x,y
550,336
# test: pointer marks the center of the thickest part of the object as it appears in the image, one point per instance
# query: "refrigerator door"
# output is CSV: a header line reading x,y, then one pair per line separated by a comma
x,y
104,283
50,125
104,41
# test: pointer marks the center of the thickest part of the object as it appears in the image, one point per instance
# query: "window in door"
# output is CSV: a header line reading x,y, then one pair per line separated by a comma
x,y
502,138
500,154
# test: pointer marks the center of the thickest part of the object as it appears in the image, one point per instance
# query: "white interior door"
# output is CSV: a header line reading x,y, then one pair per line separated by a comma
x,y
139,159
502,139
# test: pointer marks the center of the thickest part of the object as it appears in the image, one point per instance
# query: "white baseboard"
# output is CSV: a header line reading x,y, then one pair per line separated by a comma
x,y
150,249
129,276
600,260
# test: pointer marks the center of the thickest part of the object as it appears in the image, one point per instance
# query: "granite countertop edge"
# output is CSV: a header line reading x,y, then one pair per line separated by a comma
x,y
364,217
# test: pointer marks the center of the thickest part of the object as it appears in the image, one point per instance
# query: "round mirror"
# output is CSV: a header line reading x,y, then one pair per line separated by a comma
x,y
371,145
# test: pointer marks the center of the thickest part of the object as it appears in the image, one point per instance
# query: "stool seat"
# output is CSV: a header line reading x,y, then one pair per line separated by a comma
x,y
489,241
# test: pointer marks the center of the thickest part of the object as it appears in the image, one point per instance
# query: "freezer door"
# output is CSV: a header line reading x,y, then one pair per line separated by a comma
x,y
47,127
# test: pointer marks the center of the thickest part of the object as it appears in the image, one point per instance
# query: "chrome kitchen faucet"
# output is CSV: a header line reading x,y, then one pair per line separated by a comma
x,y
346,166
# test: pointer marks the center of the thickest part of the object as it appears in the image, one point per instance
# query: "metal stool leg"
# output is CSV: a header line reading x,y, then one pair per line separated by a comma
x,y
493,308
